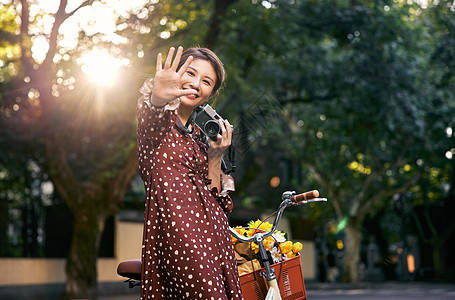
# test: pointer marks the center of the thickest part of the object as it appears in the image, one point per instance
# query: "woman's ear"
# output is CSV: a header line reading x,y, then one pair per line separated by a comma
x,y
214,94
213,98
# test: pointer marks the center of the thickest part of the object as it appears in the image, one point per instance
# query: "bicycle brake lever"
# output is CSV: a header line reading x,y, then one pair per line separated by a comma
x,y
317,200
287,195
311,200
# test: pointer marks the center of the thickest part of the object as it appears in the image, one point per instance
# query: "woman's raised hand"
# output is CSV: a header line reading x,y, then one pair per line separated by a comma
x,y
166,84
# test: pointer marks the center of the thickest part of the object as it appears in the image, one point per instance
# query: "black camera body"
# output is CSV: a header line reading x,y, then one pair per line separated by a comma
x,y
206,118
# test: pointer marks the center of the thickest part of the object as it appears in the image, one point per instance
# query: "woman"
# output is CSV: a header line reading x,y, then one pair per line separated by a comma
x,y
187,251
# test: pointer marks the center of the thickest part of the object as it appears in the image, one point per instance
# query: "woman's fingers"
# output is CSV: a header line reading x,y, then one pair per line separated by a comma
x,y
185,66
185,92
167,63
224,138
159,63
229,130
176,61
171,63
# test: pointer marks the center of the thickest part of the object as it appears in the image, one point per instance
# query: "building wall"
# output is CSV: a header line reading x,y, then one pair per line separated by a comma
x,y
308,259
29,271
308,254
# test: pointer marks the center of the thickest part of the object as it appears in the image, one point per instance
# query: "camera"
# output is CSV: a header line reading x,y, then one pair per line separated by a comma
x,y
206,118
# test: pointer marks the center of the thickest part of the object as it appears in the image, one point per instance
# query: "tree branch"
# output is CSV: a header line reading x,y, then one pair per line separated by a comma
x,y
330,189
363,194
365,209
217,17
123,178
420,227
60,171
85,3
25,14
60,17
25,43
431,226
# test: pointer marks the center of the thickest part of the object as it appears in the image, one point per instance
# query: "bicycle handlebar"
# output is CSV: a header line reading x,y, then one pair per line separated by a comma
x,y
305,196
289,199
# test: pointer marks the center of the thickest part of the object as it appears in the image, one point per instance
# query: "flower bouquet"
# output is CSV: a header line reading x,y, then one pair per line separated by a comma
x,y
277,244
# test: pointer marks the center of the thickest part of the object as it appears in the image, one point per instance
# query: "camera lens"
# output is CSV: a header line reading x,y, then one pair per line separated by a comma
x,y
211,128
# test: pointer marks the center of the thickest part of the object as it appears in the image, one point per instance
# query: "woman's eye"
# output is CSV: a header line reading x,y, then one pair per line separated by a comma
x,y
207,82
190,73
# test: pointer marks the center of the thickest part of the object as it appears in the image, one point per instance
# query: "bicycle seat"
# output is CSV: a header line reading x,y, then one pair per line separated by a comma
x,y
130,269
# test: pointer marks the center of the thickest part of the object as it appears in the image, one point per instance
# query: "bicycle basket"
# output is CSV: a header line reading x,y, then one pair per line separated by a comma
x,y
289,276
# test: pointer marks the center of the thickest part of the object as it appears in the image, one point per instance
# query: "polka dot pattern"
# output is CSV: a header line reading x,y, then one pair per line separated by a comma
x,y
187,251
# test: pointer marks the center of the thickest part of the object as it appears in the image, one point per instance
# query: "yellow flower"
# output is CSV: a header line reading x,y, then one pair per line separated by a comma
x,y
240,231
263,226
254,247
286,246
297,247
269,242
290,254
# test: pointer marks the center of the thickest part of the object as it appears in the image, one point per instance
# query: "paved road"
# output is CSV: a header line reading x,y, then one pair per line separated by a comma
x,y
369,291
376,291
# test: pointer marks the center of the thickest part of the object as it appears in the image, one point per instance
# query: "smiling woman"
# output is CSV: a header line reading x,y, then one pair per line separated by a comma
x,y
100,67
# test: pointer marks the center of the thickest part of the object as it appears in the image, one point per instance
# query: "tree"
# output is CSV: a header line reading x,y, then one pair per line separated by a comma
x,y
352,79
87,134
372,123
90,153
432,197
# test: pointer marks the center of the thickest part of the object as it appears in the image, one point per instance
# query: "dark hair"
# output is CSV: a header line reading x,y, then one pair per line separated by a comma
x,y
210,56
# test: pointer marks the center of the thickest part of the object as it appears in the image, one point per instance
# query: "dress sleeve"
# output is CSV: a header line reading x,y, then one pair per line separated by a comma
x,y
223,198
154,122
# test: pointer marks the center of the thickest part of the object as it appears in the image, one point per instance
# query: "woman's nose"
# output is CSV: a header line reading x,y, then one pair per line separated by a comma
x,y
195,83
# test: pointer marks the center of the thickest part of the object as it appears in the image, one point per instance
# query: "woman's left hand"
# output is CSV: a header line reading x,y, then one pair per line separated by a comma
x,y
222,142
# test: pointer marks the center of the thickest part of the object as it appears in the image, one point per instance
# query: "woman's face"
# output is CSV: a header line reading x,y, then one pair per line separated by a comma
x,y
200,76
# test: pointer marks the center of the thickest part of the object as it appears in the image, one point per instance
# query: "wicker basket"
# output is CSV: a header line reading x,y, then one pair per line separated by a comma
x,y
289,276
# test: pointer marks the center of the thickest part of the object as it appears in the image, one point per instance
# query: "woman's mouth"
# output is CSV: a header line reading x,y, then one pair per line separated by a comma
x,y
193,96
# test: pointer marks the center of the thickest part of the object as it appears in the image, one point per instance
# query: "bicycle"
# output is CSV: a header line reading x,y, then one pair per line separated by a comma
x,y
131,269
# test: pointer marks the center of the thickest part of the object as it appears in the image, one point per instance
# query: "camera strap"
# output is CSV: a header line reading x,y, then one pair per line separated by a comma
x,y
189,122
227,165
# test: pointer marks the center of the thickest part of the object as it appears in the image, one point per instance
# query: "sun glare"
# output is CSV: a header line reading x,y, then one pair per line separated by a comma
x,y
100,67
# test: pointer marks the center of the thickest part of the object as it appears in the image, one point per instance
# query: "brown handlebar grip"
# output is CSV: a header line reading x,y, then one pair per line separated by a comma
x,y
305,196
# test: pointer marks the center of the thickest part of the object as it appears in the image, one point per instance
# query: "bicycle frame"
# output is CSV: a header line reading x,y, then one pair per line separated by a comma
x,y
289,199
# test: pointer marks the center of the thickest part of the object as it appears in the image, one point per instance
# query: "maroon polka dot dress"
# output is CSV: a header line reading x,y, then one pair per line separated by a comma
x,y
187,251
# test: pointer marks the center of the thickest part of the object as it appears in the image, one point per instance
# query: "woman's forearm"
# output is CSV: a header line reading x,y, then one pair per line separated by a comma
x,y
214,173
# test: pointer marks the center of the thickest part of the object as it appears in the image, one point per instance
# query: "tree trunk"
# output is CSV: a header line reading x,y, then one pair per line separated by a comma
x,y
437,262
91,203
4,216
352,252
81,268
217,17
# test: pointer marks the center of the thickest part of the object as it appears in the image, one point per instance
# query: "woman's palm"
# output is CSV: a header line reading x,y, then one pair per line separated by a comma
x,y
167,79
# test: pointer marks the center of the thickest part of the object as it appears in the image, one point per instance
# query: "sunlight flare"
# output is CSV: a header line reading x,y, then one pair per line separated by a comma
x,y
100,67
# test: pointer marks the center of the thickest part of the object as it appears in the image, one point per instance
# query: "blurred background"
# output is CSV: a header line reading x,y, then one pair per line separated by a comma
x,y
353,98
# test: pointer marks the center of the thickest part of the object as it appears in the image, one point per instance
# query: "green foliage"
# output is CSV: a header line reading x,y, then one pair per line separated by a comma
x,y
353,79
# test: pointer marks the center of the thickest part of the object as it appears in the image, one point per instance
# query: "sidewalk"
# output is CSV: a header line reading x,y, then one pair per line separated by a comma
x,y
365,290
381,290
389,285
